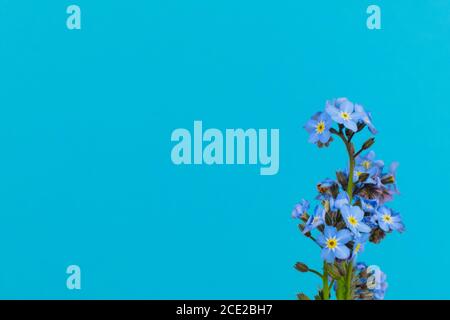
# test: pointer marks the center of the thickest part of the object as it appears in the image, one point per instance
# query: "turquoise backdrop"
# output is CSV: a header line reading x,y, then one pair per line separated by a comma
x,y
86,117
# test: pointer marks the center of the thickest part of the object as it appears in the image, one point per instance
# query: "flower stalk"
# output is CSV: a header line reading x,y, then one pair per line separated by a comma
x,y
352,209
325,286
351,158
348,287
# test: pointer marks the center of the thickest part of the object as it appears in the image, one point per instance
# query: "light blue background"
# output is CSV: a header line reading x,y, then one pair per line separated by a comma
x,y
85,124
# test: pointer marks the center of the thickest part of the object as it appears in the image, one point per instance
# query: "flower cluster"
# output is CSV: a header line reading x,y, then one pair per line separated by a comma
x,y
351,209
370,283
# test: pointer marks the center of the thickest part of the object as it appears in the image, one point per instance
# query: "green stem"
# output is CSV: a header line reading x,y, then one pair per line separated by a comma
x,y
325,289
350,176
331,284
349,293
351,157
359,152
316,273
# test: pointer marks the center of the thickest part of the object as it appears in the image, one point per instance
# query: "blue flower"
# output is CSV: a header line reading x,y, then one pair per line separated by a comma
x,y
353,217
341,200
300,208
368,205
381,287
327,201
376,282
333,244
371,282
388,220
327,186
359,244
366,118
359,170
315,220
343,112
369,164
390,179
377,190
360,266
319,128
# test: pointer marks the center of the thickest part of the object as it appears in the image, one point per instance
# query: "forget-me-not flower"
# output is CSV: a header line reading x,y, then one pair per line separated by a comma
x,y
389,220
366,118
318,128
333,243
353,217
300,208
343,112
315,220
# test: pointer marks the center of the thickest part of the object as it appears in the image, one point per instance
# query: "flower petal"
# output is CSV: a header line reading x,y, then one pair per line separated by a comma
x,y
313,138
310,126
357,212
342,252
362,227
321,240
327,255
347,106
343,236
351,125
329,231
341,200
325,136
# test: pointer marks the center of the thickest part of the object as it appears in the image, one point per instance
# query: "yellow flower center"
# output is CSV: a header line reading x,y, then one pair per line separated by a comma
x,y
358,173
387,218
345,115
366,164
357,248
352,220
320,128
331,243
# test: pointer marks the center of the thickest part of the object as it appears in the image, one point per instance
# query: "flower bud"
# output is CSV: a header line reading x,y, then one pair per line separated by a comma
x,y
340,225
326,205
334,272
326,144
342,179
341,268
387,179
361,126
304,217
363,177
328,219
300,266
377,235
368,143
302,296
